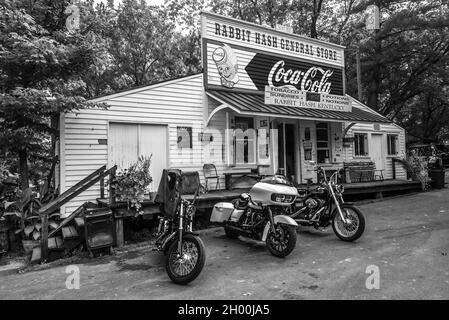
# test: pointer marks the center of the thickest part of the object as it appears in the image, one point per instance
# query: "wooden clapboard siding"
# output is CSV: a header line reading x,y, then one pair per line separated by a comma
x,y
384,128
174,103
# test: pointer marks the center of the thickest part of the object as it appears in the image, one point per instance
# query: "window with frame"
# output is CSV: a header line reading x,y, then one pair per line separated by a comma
x,y
184,137
392,144
244,141
360,144
322,142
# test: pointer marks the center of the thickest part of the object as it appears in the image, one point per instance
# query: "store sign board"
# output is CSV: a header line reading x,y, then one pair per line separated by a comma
x,y
303,99
265,39
273,71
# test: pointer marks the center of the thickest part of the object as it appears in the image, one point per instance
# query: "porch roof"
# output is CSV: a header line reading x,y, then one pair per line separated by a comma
x,y
253,104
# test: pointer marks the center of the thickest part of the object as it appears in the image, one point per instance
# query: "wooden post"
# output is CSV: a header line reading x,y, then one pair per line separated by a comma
x,y
359,75
394,168
119,235
111,189
102,188
44,237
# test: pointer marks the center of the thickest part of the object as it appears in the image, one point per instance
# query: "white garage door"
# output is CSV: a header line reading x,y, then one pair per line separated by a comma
x,y
128,141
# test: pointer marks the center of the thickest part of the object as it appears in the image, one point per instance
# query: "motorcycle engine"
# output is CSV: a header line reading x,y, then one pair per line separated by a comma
x,y
314,203
252,217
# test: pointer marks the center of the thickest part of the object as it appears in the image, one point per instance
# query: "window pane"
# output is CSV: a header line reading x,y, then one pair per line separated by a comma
x,y
322,135
322,144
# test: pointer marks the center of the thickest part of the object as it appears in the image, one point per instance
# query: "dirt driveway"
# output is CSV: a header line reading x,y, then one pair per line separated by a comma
x,y
407,239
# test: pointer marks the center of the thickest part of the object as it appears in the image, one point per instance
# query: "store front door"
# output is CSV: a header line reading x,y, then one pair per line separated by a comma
x,y
376,151
286,150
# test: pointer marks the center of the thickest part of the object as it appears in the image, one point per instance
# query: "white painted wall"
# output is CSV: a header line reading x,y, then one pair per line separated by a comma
x,y
173,103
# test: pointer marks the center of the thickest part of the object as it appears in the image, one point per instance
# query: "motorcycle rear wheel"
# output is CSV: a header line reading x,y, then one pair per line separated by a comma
x,y
283,242
352,231
185,269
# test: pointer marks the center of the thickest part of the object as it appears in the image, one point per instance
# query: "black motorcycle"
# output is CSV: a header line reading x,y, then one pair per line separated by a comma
x,y
319,207
184,250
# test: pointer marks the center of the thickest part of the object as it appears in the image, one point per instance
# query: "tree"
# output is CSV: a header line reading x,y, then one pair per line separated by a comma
x,y
40,77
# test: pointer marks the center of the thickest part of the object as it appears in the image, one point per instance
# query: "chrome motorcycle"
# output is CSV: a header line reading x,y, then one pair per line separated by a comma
x,y
324,205
259,215
184,250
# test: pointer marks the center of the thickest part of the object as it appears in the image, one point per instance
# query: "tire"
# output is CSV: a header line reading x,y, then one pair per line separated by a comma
x,y
231,234
189,242
284,250
341,230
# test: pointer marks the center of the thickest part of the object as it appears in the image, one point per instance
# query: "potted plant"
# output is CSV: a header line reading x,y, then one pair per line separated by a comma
x,y
131,184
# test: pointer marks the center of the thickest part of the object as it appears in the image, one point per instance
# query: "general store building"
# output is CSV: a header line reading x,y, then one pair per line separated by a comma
x,y
289,89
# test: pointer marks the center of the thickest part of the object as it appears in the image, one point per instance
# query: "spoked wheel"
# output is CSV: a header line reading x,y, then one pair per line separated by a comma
x,y
184,268
281,242
350,230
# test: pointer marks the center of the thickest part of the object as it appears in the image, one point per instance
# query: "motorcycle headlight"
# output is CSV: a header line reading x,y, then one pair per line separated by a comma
x,y
277,197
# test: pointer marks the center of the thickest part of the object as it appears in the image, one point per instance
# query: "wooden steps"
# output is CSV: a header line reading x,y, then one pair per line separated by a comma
x,y
69,232
79,222
55,243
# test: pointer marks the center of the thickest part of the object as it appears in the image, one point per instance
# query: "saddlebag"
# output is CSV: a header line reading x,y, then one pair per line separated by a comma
x,y
221,212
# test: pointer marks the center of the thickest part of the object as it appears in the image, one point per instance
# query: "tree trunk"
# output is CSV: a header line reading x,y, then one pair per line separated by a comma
x,y
23,169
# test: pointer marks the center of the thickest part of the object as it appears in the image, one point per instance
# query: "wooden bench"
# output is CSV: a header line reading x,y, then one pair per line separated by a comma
x,y
363,171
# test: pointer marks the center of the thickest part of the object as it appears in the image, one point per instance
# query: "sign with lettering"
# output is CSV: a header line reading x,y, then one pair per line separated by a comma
x,y
296,98
244,56
250,36
292,74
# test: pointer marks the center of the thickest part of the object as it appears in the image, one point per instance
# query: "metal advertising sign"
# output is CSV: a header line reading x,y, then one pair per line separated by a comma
x,y
298,98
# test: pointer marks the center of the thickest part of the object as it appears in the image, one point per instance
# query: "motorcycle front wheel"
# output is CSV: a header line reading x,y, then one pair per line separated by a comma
x,y
184,268
352,230
281,242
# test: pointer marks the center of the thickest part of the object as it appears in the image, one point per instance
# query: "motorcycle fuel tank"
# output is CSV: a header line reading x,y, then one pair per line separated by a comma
x,y
268,194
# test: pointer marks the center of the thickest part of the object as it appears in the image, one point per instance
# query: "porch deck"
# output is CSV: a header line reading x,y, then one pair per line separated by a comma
x,y
207,201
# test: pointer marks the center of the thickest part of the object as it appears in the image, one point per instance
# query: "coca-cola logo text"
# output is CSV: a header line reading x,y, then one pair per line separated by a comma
x,y
315,79
293,74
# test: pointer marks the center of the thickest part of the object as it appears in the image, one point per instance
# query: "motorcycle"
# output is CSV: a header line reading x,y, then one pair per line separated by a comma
x,y
259,215
325,205
184,250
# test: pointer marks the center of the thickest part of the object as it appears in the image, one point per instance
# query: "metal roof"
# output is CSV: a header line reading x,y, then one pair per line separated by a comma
x,y
253,103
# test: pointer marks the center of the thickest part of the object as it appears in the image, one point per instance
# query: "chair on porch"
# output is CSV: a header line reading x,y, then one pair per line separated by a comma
x,y
210,172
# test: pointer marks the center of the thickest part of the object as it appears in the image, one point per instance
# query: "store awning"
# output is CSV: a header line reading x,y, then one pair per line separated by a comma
x,y
253,104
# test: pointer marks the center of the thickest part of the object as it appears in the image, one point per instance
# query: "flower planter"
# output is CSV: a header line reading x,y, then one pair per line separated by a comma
x,y
29,245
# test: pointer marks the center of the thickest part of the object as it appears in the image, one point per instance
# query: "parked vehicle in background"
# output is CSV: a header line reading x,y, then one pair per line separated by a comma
x,y
436,155
260,215
324,205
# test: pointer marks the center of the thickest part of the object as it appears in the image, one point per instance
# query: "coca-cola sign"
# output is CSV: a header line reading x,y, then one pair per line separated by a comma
x,y
296,75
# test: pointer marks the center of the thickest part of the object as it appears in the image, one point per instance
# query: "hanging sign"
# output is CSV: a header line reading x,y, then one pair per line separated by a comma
x,y
303,99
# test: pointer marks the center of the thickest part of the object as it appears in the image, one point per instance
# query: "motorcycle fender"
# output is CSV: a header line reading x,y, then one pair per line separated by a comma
x,y
173,237
278,219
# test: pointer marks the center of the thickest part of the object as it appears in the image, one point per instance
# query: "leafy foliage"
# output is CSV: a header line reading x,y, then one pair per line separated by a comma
x,y
131,184
40,69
